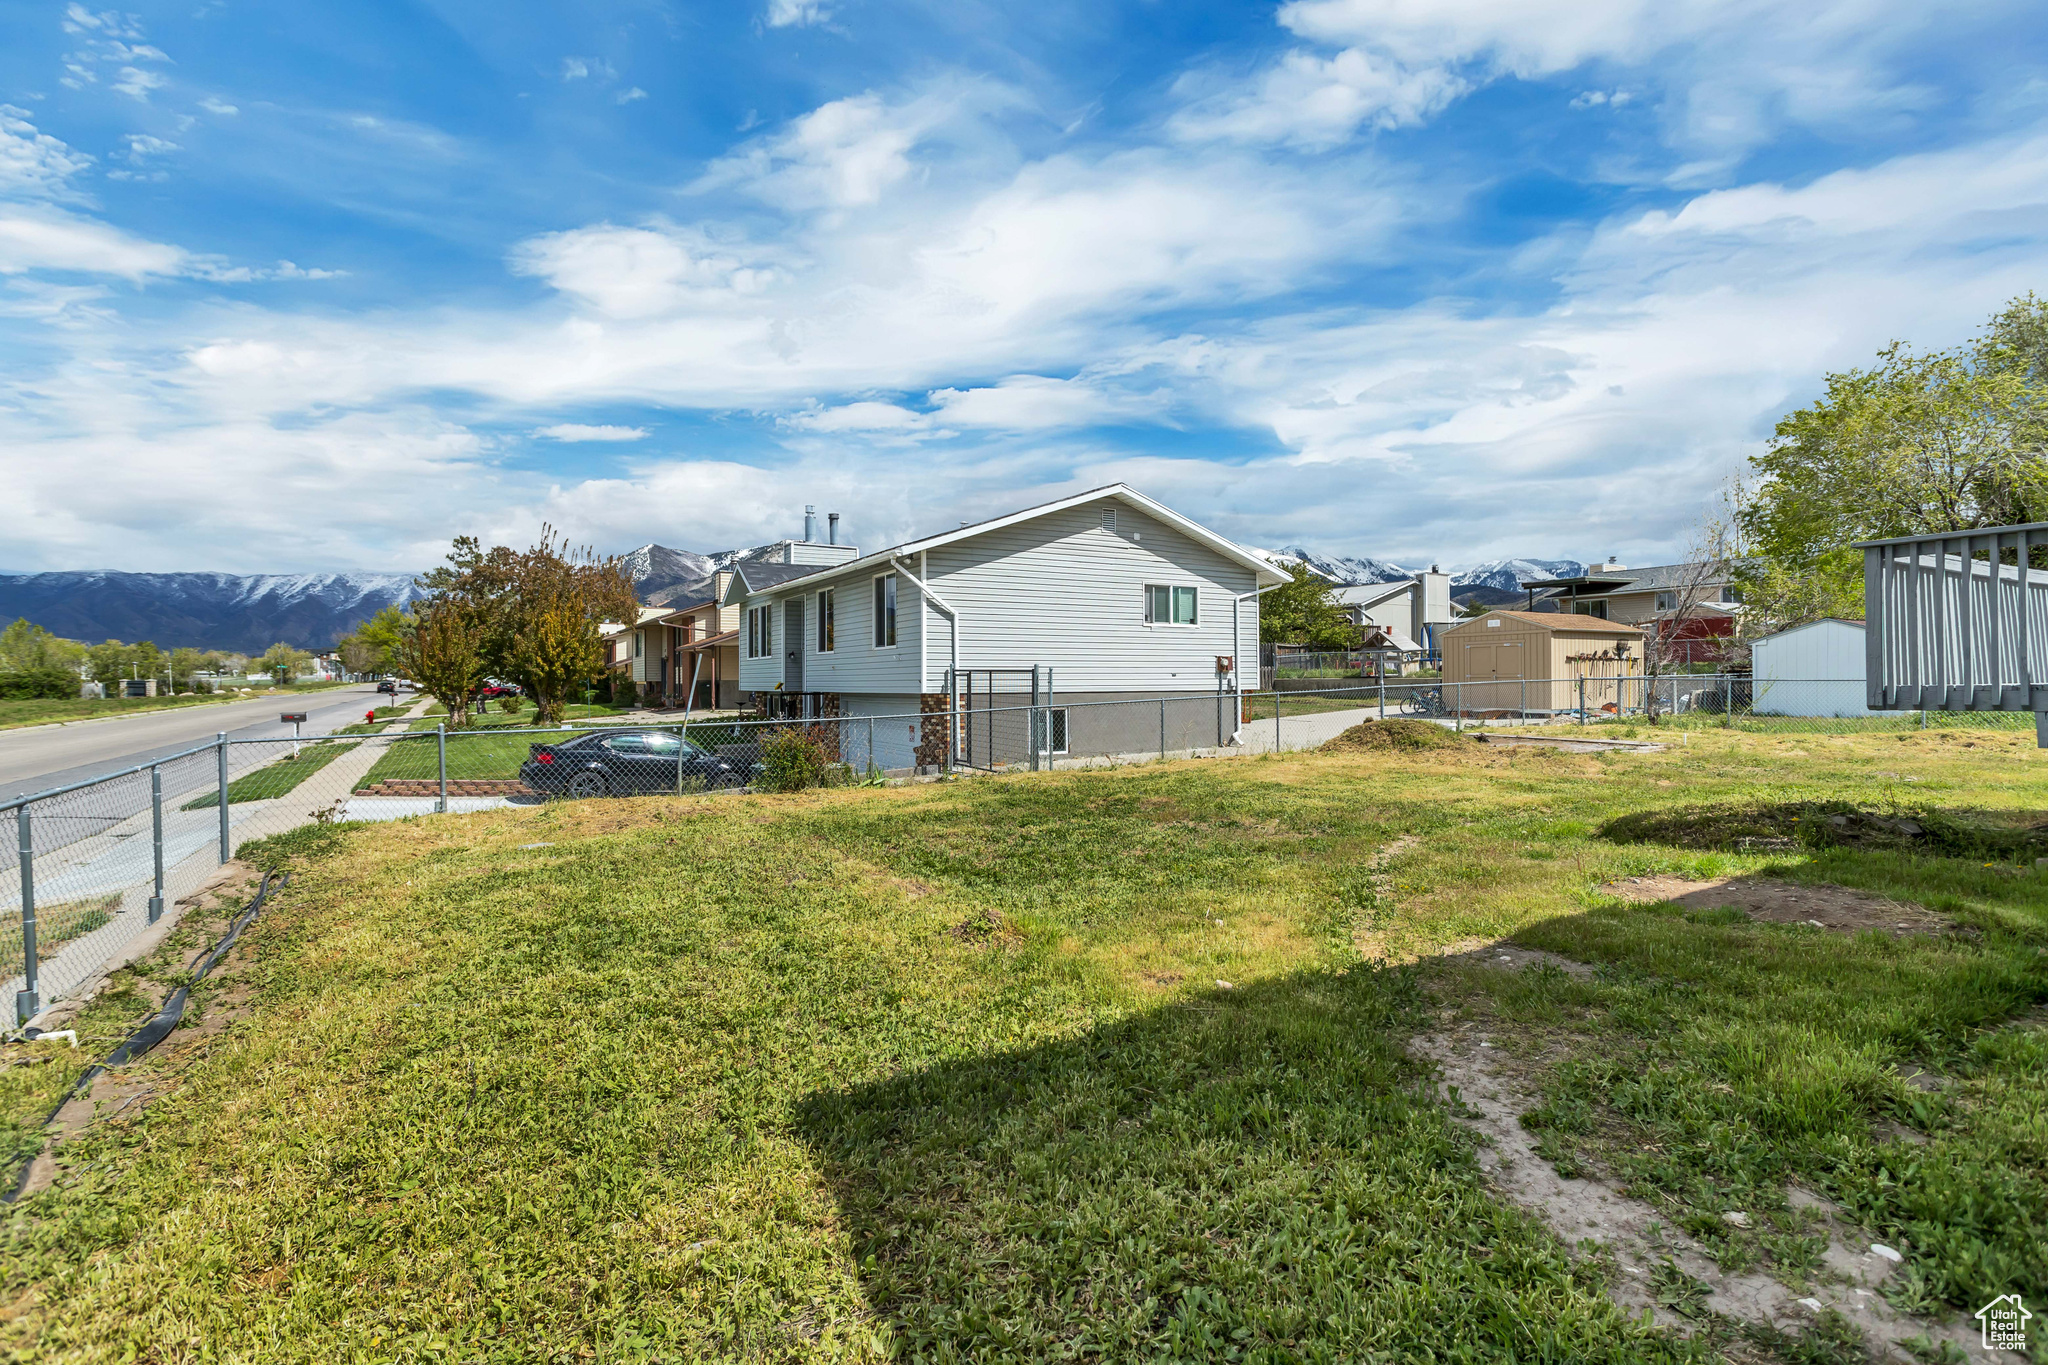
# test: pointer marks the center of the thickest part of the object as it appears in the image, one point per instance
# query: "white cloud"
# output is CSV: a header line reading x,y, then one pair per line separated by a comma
x,y
1029,402
581,68
137,83
142,146
862,416
576,431
632,272
797,13
628,96
34,163
214,105
1319,102
49,239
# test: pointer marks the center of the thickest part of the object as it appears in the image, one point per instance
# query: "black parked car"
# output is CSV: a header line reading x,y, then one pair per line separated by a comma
x,y
388,685
627,763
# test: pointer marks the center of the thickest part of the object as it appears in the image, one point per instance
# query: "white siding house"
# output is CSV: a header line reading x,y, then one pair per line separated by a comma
x,y
1810,670
1108,593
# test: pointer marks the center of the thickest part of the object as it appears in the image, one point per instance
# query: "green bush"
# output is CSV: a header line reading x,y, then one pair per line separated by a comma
x,y
39,683
512,705
796,759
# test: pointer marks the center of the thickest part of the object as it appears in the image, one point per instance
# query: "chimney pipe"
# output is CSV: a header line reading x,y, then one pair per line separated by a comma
x,y
810,517
832,528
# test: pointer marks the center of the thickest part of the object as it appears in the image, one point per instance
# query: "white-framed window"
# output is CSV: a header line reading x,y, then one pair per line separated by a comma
x,y
760,632
885,611
1667,601
1166,605
827,641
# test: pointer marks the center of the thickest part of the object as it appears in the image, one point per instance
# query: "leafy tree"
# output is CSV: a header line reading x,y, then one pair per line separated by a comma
x,y
1920,442
28,648
1305,611
534,615
288,658
443,652
376,641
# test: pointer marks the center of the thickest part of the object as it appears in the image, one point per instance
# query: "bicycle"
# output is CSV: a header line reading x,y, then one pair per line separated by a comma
x,y
1425,702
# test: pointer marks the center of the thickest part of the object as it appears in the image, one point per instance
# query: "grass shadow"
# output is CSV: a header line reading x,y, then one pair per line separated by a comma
x,y
1253,1174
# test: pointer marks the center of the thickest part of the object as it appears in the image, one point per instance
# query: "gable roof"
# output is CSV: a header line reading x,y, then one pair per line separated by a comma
x,y
749,577
1577,623
1370,595
1852,621
1264,571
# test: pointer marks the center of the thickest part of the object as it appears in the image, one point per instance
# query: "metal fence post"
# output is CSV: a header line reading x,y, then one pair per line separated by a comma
x,y
28,1000
441,745
1383,692
1727,701
682,745
1162,723
1458,707
156,835
872,765
1276,715
1582,699
227,847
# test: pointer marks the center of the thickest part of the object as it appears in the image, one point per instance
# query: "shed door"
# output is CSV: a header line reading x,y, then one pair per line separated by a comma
x,y
793,645
1493,661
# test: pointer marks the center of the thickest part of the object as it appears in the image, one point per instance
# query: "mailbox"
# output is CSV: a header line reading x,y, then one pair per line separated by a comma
x,y
293,718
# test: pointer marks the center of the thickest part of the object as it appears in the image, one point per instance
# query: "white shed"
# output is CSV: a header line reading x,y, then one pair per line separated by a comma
x,y
1810,670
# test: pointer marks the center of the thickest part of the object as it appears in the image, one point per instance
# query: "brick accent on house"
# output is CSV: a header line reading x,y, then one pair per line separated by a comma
x,y
931,729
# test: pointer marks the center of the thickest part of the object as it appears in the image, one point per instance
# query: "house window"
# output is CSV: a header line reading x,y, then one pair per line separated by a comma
x,y
1055,729
1169,606
1667,601
760,632
885,611
1598,609
826,640
639,643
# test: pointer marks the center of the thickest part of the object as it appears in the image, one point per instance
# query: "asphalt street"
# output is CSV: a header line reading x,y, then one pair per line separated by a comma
x,y
44,756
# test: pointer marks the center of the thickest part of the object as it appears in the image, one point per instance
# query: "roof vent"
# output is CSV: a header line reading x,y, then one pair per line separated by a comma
x,y
1109,520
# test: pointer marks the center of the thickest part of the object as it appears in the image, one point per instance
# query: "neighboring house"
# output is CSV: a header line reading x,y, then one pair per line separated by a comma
x,y
1699,610
699,639
1411,612
1538,661
1102,596
1810,670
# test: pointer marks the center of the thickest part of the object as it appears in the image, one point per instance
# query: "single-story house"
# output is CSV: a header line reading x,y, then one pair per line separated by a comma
x,y
1104,596
1536,661
1812,670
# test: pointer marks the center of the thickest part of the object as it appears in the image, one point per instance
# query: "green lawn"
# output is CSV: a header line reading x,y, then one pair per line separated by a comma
x,y
947,1071
277,777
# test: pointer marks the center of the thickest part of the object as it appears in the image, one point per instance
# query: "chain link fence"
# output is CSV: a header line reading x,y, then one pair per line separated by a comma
x,y
89,868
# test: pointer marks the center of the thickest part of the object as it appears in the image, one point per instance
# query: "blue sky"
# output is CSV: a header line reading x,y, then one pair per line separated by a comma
x,y
306,287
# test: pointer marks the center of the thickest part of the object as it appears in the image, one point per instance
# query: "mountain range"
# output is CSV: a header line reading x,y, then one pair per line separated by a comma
x,y
251,612
1494,582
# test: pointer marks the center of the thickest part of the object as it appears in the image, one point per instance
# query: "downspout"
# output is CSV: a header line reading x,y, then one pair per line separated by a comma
x,y
1237,654
925,594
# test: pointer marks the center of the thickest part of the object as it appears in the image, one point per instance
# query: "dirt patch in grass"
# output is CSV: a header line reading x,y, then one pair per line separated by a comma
x,y
1490,953
1777,902
1397,735
1653,1266
1795,825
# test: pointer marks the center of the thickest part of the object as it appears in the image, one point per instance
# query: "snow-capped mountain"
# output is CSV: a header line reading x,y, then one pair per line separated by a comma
x,y
244,612
663,575
1508,575
1343,570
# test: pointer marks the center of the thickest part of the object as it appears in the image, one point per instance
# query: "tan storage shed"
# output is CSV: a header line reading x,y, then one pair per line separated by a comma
x,y
1533,661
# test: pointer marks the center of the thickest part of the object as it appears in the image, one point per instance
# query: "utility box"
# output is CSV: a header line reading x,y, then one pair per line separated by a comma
x,y
138,687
